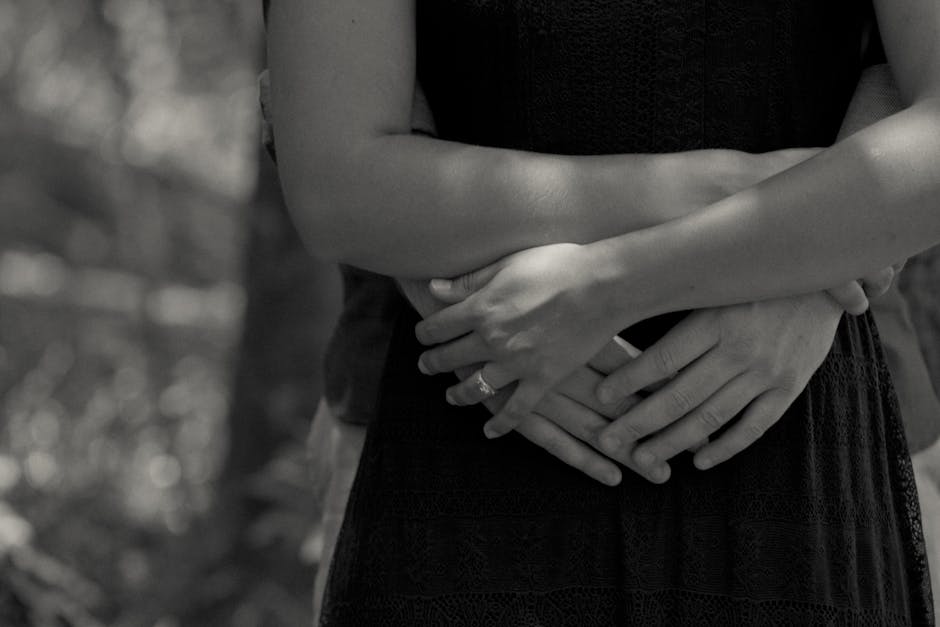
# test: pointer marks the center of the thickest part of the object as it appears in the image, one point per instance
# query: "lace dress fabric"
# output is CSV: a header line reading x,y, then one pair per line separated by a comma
x,y
815,524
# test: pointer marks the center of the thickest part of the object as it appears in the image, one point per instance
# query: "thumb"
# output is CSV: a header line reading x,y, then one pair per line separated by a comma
x,y
851,297
457,289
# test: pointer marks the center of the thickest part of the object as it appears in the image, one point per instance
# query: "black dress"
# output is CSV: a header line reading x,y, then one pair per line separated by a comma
x,y
815,524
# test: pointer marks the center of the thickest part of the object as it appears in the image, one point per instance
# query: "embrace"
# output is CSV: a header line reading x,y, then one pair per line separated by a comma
x,y
637,235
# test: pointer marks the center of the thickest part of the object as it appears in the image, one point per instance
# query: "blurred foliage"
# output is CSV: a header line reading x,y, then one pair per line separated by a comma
x,y
128,175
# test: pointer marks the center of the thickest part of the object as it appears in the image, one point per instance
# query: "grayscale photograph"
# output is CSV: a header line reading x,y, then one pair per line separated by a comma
x,y
469,313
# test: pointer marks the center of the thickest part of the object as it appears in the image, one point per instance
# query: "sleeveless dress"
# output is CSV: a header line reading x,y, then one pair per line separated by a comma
x,y
815,524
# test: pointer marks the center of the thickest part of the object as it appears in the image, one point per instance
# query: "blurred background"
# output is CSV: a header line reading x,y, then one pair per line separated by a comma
x,y
152,460
161,328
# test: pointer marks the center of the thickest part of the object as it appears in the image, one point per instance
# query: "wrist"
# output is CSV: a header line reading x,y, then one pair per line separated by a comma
x,y
622,269
701,177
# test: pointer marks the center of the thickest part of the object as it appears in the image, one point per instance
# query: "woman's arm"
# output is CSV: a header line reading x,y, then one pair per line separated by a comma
x,y
364,191
866,202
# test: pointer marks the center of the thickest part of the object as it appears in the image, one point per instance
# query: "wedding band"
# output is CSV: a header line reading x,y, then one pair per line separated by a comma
x,y
483,385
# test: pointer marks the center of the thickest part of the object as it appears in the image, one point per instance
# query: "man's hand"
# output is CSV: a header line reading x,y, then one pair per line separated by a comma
x,y
749,360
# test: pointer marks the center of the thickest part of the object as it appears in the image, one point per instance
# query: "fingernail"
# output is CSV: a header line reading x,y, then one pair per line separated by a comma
x,y
449,397
422,367
704,463
440,285
610,443
644,458
490,432
605,395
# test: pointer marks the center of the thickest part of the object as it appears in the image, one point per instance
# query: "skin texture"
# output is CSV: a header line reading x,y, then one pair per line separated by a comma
x,y
365,191
581,415
853,208
738,358
390,201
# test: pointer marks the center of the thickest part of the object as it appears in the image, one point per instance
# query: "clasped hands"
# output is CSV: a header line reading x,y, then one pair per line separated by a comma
x,y
534,326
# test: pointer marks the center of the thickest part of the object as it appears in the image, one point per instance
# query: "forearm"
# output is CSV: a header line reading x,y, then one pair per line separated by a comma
x,y
876,97
857,207
414,206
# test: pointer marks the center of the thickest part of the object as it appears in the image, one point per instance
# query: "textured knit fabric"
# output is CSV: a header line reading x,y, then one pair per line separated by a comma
x,y
815,524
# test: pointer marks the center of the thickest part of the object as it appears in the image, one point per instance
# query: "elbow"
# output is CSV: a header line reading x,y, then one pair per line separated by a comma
x,y
321,207
319,220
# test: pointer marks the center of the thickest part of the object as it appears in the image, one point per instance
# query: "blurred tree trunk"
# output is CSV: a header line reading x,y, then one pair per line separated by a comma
x,y
291,304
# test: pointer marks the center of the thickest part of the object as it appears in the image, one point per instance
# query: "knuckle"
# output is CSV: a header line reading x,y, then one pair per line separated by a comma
x,y
741,349
665,363
618,383
679,402
493,336
622,405
765,369
582,431
710,418
788,379
466,284
753,430
628,431
479,309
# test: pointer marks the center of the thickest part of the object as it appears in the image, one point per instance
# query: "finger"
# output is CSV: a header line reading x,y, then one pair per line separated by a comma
x,y
472,390
760,415
543,433
578,420
583,424
680,346
878,283
616,353
580,385
462,352
520,404
445,325
697,425
497,402
685,393
851,297
456,290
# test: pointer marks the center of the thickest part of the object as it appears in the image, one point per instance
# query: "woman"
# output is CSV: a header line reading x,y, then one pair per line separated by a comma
x,y
816,522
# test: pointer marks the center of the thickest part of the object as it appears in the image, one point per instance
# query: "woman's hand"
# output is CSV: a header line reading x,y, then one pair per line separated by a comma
x,y
532,318
751,360
566,421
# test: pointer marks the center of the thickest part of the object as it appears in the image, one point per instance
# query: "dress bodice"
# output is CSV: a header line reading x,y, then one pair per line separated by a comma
x,y
609,76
